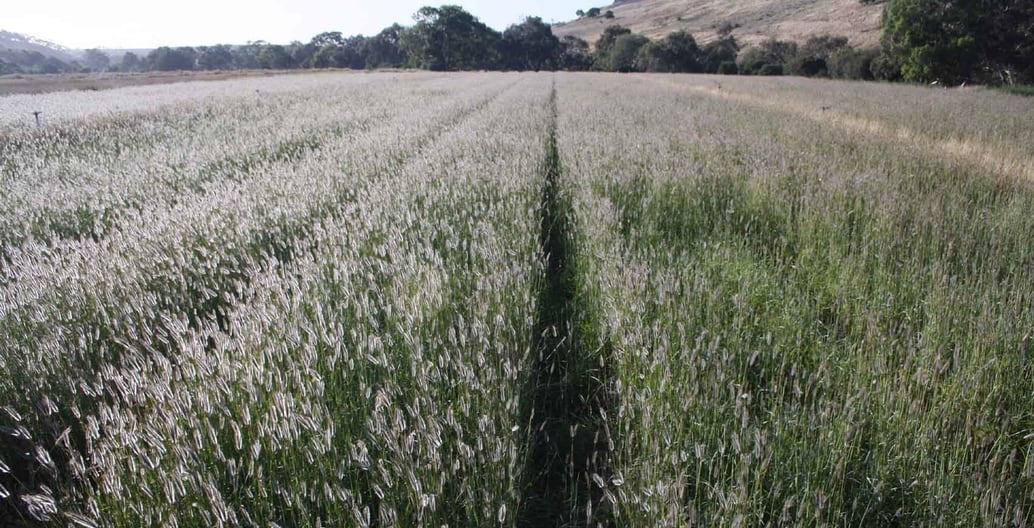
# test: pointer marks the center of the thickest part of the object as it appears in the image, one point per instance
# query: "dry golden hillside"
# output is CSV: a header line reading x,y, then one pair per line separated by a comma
x,y
756,20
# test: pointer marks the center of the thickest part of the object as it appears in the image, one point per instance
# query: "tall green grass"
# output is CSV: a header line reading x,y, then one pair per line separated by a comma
x,y
810,327
1018,89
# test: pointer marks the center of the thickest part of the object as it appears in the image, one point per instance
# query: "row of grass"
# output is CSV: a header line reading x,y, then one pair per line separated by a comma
x,y
356,364
797,345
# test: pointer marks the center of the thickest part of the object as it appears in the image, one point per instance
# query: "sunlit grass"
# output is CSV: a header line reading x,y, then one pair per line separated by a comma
x,y
517,300
810,327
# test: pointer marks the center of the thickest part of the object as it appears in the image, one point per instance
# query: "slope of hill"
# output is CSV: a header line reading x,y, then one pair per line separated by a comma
x,y
18,42
754,20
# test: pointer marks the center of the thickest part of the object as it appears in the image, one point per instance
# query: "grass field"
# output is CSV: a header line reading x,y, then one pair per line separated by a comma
x,y
39,83
517,300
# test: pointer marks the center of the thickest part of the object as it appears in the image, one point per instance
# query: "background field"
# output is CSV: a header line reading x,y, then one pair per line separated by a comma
x,y
67,82
517,300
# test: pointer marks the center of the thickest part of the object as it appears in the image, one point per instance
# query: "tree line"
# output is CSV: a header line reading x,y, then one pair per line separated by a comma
x,y
448,38
950,41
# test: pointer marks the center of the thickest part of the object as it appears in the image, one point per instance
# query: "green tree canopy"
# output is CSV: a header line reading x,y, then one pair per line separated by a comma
x,y
275,57
171,59
718,52
676,53
328,38
450,38
384,50
218,57
931,40
623,53
530,45
953,41
607,39
574,54
812,58
772,53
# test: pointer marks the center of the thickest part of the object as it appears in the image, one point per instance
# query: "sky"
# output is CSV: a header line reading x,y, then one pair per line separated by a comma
x,y
129,24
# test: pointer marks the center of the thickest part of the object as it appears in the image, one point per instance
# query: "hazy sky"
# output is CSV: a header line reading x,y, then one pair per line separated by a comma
x,y
147,24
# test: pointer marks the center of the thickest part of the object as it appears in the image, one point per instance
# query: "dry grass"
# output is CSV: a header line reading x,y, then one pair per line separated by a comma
x,y
758,20
912,120
68,82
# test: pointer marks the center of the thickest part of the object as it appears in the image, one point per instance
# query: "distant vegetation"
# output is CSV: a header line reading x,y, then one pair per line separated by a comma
x,y
923,41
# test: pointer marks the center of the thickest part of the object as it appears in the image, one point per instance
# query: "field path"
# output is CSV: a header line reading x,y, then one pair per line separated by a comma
x,y
568,397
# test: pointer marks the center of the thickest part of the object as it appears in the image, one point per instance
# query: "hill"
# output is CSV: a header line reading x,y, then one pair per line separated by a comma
x,y
11,41
753,20
24,54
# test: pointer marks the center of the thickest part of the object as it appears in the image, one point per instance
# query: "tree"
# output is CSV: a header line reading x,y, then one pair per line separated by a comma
x,y
325,57
823,45
812,58
850,63
96,60
1005,38
328,38
246,57
333,50
728,68
172,59
580,13
608,14
26,61
607,39
384,50
353,54
322,49
130,62
301,54
275,57
218,57
622,56
717,52
530,45
953,41
593,12
53,65
772,53
676,53
931,40
449,38
574,54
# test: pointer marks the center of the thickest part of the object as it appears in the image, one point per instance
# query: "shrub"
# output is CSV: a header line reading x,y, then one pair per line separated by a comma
x,y
728,68
808,66
851,63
